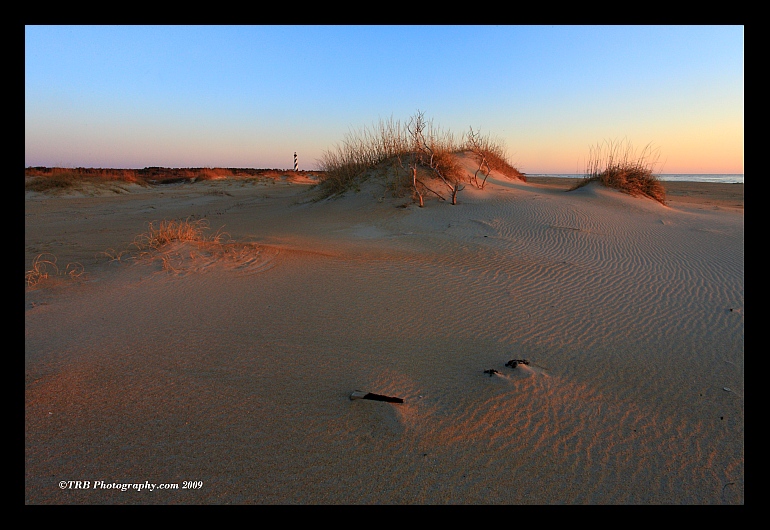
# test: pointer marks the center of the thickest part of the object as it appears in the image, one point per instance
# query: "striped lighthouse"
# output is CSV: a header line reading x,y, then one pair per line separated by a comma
x,y
295,161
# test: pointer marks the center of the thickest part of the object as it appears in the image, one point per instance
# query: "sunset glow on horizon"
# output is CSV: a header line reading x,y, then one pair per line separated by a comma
x,y
251,96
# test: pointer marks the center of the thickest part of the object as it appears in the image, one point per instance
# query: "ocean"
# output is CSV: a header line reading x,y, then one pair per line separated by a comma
x,y
681,177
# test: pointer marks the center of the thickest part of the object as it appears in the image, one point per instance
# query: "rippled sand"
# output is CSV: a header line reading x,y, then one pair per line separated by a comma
x,y
235,368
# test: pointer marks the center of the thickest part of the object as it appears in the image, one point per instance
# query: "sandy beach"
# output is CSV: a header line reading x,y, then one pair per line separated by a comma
x,y
226,368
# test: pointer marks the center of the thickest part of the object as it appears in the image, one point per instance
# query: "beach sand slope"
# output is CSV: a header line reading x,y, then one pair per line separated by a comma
x,y
230,366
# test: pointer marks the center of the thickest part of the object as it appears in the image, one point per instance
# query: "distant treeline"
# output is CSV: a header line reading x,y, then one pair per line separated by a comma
x,y
160,174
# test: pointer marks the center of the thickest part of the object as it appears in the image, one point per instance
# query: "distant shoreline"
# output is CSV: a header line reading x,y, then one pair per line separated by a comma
x,y
725,178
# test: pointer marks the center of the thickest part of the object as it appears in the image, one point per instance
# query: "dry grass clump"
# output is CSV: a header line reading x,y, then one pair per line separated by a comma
x,y
150,243
615,164
44,267
345,166
165,232
157,243
416,157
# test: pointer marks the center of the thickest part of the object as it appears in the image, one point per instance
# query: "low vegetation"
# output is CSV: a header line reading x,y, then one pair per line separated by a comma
x,y
153,243
44,179
44,267
165,232
149,245
51,179
416,158
617,165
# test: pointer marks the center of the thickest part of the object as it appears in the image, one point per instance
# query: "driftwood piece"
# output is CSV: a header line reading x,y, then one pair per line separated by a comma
x,y
513,363
374,397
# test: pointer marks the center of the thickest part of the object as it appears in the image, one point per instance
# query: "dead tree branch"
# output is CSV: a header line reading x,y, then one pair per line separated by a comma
x,y
422,149
476,149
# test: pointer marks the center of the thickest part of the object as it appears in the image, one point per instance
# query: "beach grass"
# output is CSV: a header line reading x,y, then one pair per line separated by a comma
x,y
44,267
616,164
150,244
161,233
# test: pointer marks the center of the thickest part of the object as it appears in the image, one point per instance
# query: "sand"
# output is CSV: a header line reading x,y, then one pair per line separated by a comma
x,y
226,379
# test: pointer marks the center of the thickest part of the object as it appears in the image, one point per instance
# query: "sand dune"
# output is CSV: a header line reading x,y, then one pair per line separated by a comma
x,y
234,365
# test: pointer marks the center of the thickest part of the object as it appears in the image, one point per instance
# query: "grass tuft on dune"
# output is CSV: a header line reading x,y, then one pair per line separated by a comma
x,y
168,231
44,268
617,165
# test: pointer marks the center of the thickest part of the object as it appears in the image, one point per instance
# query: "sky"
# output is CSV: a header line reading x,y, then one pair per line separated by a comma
x,y
252,96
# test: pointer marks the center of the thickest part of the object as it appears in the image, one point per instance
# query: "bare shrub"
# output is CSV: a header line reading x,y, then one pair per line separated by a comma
x,y
491,155
433,148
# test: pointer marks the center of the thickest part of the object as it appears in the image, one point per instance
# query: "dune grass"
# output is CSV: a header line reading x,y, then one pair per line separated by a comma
x,y
616,164
168,231
414,157
160,234
149,244
44,267
154,242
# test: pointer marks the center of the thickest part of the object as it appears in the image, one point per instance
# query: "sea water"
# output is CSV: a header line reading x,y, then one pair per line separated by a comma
x,y
731,178
725,179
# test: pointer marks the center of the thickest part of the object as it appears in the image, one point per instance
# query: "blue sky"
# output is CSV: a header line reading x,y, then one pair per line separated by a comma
x,y
250,96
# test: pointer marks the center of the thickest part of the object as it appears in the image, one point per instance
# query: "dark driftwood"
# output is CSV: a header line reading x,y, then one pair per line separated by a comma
x,y
375,397
515,362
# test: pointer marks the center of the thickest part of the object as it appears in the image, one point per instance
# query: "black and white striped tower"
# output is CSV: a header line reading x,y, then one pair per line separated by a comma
x,y
295,161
